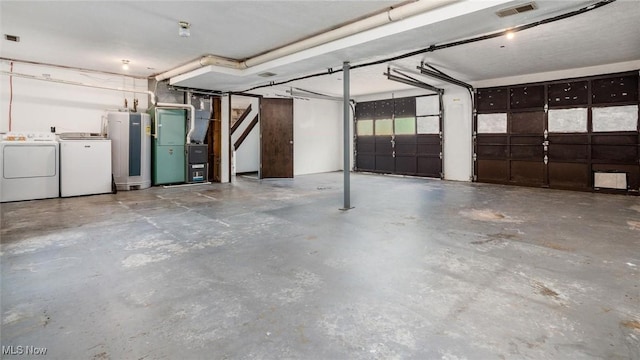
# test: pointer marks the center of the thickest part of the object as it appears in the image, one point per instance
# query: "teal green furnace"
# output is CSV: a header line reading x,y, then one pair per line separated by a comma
x,y
168,146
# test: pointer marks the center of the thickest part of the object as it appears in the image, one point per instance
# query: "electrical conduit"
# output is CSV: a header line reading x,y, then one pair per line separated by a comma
x,y
152,95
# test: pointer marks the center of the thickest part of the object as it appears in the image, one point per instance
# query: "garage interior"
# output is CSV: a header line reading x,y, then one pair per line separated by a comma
x,y
349,180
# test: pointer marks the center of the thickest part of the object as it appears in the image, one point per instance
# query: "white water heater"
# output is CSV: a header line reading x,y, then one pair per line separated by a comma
x,y
130,135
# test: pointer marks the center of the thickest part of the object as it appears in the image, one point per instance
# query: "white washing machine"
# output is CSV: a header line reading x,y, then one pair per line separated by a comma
x,y
85,165
29,166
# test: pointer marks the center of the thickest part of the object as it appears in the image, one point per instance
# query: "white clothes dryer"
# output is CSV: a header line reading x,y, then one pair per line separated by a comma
x,y
29,166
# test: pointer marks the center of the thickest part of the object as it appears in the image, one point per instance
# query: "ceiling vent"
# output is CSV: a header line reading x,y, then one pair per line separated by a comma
x,y
517,9
266,74
12,37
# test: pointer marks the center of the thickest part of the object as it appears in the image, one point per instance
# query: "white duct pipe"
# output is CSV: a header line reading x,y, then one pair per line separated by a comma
x,y
152,95
192,121
391,15
196,64
371,22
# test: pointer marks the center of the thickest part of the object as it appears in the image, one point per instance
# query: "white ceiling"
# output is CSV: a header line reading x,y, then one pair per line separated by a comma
x,y
610,34
99,34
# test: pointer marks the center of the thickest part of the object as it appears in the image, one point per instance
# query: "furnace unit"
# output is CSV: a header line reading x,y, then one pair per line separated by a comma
x,y
197,152
197,163
169,146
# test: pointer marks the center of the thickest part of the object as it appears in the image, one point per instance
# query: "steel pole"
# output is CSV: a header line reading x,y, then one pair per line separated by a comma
x,y
347,143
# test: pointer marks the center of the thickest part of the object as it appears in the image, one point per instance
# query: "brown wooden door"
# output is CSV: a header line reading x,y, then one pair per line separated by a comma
x,y
276,138
214,140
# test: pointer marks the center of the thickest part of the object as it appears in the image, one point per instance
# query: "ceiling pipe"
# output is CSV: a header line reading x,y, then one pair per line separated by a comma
x,y
359,26
71,68
197,64
389,16
152,95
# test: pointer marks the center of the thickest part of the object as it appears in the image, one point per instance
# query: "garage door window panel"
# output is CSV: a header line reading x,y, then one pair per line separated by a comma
x,y
364,127
615,118
492,123
568,120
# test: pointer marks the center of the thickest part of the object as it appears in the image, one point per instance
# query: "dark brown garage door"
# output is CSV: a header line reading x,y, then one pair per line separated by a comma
x,y
579,134
400,136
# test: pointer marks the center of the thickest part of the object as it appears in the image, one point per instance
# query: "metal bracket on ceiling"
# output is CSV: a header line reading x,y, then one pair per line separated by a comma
x,y
406,79
433,72
295,91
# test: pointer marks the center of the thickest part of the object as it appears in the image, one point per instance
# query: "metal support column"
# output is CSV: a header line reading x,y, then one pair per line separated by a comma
x,y
347,143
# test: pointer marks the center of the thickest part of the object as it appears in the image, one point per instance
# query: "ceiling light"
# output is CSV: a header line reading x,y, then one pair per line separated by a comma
x,y
125,64
184,29
510,35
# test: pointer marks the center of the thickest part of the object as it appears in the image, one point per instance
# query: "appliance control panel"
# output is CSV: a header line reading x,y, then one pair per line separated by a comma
x,y
29,136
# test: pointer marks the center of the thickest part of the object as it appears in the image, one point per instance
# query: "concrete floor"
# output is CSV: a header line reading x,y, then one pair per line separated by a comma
x,y
420,269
